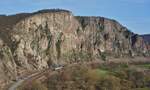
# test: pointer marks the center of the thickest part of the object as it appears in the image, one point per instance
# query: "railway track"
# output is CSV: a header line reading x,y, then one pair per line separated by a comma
x,y
27,79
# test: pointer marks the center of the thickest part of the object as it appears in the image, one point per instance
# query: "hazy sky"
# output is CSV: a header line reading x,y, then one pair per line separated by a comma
x,y
135,14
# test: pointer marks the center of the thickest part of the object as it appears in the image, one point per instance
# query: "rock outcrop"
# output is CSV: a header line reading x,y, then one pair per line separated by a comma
x,y
146,38
34,41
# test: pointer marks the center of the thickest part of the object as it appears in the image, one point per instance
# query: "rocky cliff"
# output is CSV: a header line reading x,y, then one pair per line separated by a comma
x,y
146,38
35,41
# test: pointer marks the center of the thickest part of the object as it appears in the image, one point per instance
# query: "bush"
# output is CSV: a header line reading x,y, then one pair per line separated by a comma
x,y
71,78
108,83
92,76
52,82
33,86
106,77
102,55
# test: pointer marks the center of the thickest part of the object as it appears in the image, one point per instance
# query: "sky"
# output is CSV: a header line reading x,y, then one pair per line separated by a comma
x,y
134,14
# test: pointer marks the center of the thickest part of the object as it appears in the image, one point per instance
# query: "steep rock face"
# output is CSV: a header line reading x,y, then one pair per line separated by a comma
x,y
43,38
146,39
106,35
7,64
38,40
54,37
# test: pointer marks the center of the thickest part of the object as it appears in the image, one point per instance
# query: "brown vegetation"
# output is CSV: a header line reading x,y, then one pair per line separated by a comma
x,y
81,77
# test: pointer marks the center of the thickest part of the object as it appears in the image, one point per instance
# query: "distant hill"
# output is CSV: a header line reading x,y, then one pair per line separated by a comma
x,y
146,37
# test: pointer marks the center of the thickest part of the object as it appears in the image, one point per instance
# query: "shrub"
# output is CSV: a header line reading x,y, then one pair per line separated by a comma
x,y
106,77
147,80
136,77
92,75
33,86
108,83
52,82
103,56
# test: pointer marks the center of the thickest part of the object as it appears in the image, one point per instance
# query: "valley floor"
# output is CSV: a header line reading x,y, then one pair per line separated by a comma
x,y
110,69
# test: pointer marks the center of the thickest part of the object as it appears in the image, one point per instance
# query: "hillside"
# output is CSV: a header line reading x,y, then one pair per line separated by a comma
x,y
146,37
35,41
